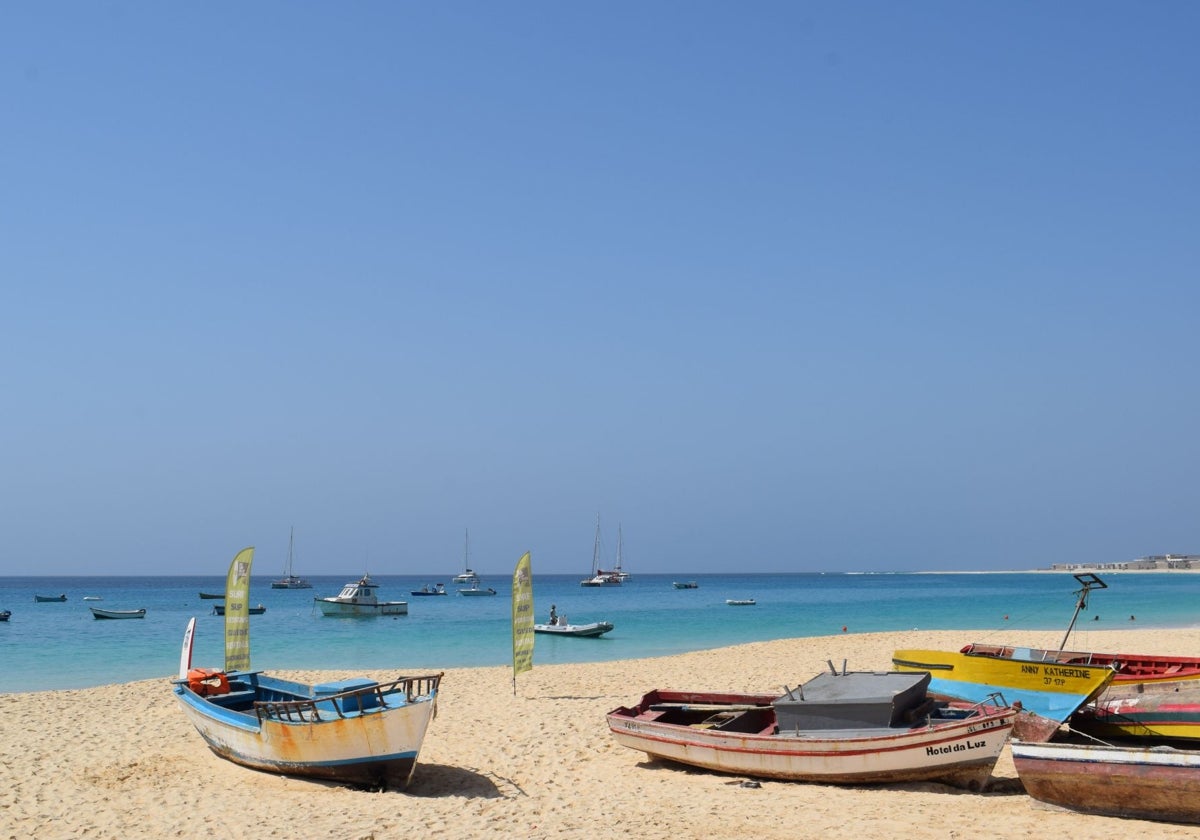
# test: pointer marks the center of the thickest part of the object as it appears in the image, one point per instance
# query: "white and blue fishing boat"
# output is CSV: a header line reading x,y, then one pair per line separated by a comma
x,y
355,731
358,598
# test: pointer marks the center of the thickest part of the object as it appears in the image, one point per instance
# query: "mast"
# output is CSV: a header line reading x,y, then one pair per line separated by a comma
x,y
1089,582
620,542
291,542
596,549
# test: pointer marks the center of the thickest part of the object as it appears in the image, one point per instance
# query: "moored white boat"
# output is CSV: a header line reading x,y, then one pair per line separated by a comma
x,y
290,579
740,602
477,590
358,598
467,575
600,577
850,728
425,591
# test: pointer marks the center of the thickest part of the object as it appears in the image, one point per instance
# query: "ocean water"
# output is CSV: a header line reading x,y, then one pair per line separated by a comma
x,y
59,645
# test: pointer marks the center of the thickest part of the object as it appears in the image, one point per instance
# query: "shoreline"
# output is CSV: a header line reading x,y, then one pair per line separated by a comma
x,y
539,764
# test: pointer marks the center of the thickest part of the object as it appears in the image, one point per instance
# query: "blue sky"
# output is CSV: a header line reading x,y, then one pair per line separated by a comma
x,y
777,286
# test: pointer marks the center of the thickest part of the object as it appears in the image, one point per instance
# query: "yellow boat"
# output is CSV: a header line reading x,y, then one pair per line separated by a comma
x,y
1048,690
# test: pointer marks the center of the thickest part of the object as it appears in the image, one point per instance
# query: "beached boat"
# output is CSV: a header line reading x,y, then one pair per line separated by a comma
x,y
740,602
596,628
5,615
356,731
1047,692
219,609
837,728
436,589
477,590
1158,711
359,599
290,579
467,575
49,599
685,584
99,613
1129,668
212,596
599,577
1146,783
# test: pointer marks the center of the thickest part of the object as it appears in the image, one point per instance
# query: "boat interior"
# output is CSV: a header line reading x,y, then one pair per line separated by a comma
x,y
270,698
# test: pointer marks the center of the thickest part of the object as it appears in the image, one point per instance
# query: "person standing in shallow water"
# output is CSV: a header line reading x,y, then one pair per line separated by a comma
x,y
553,616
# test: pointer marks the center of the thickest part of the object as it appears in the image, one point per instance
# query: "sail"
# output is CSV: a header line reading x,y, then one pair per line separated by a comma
x,y
237,612
522,617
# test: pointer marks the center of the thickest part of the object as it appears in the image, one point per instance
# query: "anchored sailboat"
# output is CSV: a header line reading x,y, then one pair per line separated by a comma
x,y
290,580
467,575
599,576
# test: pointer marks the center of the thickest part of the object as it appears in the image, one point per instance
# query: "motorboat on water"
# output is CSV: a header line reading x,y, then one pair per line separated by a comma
x,y
436,589
358,598
477,590
592,630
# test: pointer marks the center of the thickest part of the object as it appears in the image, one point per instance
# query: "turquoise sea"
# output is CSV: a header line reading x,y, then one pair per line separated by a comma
x,y
60,645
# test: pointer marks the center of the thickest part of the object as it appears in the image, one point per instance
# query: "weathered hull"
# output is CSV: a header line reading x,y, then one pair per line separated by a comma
x,y
1048,690
1142,783
1160,711
378,747
960,752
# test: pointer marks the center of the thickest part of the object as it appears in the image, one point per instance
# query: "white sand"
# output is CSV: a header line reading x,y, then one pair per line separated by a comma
x,y
121,760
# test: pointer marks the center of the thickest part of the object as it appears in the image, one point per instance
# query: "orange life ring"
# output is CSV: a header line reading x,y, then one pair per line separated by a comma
x,y
200,681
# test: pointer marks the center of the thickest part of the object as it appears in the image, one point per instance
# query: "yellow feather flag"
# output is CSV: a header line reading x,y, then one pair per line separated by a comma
x,y
522,617
237,612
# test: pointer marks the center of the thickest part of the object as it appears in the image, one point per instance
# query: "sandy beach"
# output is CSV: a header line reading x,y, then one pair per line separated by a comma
x,y
121,759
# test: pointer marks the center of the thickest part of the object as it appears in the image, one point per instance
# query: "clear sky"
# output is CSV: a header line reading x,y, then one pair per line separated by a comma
x,y
775,286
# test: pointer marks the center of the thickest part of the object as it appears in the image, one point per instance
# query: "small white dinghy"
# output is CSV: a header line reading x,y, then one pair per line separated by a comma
x,y
596,628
